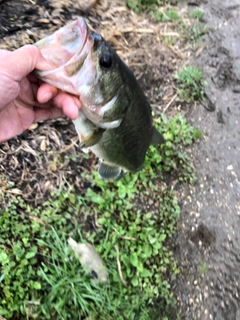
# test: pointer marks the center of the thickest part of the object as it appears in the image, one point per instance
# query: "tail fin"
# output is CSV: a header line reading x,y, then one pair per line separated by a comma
x,y
157,138
107,171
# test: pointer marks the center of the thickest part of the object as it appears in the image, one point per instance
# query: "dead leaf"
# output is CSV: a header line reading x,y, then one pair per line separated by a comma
x,y
33,126
43,145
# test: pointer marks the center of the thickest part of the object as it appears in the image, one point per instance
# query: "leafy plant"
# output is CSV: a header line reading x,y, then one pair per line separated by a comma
x,y
197,14
168,15
128,221
203,269
148,5
140,5
190,83
192,33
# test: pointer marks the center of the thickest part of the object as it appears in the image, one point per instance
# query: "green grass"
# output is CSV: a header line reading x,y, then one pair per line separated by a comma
x,y
151,5
133,218
190,82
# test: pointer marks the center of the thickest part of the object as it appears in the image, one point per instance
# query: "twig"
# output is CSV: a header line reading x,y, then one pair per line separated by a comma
x,y
125,238
96,220
178,54
30,217
164,14
128,238
170,34
119,266
74,141
169,103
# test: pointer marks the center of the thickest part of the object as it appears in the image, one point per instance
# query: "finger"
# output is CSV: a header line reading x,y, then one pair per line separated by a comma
x,y
30,58
4,53
45,114
46,92
69,104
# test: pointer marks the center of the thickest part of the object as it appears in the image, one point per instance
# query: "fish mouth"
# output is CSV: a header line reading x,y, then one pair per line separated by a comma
x,y
66,48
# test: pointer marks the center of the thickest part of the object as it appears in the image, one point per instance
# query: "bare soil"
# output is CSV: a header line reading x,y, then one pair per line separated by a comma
x,y
207,243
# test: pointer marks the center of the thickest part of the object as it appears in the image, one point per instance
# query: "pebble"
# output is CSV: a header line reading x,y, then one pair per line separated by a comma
x,y
230,167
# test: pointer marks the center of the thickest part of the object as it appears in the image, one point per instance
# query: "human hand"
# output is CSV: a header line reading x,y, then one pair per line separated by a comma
x,y
23,98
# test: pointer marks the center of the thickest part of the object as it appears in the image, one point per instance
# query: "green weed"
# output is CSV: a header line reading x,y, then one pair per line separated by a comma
x,y
169,40
203,269
141,5
128,221
150,5
168,15
197,14
192,33
190,83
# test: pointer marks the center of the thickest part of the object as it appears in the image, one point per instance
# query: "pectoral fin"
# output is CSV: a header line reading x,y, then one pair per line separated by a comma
x,y
92,139
157,138
108,172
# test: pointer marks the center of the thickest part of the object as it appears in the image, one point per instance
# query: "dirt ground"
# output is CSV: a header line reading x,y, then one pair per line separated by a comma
x,y
207,244
26,21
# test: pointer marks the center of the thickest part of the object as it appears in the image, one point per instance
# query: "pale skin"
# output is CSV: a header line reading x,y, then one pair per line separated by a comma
x,y
24,99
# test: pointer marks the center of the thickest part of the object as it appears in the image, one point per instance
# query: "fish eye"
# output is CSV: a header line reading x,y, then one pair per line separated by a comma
x,y
106,60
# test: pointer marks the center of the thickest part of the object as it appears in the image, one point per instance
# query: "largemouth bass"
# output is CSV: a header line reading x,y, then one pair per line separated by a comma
x,y
115,121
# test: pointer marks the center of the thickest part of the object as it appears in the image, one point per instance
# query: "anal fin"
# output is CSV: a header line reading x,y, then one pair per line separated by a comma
x,y
108,172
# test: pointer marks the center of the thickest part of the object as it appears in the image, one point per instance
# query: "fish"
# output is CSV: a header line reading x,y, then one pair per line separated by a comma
x,y
115,120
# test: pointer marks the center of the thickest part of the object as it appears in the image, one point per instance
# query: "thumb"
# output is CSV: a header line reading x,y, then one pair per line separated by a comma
x,y
24,60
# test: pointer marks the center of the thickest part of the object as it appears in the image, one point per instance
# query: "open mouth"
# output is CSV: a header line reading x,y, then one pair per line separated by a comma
x,y
66,45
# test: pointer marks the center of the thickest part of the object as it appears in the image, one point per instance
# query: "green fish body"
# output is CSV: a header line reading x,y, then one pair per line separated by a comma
x,y
115,120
